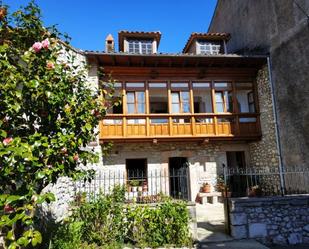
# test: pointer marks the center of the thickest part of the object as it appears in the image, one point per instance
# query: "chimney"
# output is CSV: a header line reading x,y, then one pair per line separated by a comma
x,y
109,44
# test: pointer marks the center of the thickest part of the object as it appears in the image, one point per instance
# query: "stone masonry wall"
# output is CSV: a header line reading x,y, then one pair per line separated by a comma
x,y
205,160
277,220
264,153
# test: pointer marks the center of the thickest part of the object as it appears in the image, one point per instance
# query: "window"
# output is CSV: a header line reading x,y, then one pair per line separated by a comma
x,y
245,97
208,48
158,101
135,102
136,170
223,97
140,46
202,97
180,102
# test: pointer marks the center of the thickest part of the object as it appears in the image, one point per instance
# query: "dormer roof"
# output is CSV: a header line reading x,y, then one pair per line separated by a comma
x,y
205,36
153,35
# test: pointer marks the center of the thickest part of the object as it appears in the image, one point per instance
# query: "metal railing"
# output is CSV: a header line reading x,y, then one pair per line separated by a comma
x,y
265,181
140,186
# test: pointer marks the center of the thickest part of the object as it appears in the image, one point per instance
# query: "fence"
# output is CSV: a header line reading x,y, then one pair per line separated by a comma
x,y
140,186
266,181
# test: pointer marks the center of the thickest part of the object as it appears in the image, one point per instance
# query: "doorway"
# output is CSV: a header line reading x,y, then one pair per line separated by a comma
x,y
179,178
238,183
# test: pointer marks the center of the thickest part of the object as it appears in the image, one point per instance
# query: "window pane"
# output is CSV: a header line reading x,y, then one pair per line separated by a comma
x,y
185,96
140,97
158,101
130,108
179,85
175,98
130,97
186,107
220,107
141,108
202,100
229,101
175,108
219,97
201,85
157,85
135,84
222,85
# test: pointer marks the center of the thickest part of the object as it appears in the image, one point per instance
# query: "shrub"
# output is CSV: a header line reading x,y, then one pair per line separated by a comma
x,y
107,222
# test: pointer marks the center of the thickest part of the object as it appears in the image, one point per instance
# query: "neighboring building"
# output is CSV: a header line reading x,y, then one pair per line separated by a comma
x,y
197,110
279,29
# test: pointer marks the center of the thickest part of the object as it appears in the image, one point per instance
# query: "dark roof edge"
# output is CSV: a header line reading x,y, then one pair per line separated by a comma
x,y
213,16
89,53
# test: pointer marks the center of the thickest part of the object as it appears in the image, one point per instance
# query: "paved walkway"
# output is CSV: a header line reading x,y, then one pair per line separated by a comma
x,y
210,230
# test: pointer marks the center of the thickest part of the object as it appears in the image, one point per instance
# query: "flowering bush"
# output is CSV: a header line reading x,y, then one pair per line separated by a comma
x,y
46,118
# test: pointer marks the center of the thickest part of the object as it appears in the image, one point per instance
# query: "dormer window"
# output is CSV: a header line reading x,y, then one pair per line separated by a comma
x,y
205,47
135,42
140,46
206,43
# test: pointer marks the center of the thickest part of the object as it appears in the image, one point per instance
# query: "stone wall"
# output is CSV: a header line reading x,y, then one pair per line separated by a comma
x,y
205,160
264,153
278,220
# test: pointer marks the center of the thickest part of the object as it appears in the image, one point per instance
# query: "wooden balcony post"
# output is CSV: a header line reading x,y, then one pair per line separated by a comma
x,y
147,109
213,102
193,127
235,108
169,99
124,109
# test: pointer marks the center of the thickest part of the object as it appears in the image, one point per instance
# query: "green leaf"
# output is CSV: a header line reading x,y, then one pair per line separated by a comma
x,y
10,235
13,198
40,175
22,241
3,133
37,238
88,127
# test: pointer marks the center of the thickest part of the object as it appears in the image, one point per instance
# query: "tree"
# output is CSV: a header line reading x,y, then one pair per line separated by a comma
x,y
48,113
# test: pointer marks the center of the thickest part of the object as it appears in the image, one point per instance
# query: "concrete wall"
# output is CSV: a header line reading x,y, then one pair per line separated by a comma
x,y
280,29
278,220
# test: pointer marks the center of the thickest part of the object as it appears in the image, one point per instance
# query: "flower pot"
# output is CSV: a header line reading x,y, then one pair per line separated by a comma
x,y
145,188
139,188
134,189
206,189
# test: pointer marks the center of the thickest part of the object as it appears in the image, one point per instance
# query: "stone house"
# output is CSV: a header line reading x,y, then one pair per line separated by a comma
x,y
198,110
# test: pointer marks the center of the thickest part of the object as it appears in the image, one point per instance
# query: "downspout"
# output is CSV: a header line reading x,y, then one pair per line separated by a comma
x,y
278,141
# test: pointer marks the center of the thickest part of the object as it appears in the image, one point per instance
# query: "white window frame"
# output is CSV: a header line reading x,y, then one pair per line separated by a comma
x,y
138,46
213,48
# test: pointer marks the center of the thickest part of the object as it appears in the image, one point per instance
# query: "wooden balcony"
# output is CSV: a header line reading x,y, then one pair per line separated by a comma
x,y
116,127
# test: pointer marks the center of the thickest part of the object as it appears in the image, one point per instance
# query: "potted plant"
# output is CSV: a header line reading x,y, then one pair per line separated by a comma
x,y
145,186
134,184
255,191
206,187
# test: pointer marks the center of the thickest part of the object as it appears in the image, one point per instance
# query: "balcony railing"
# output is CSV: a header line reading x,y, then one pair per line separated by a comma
x,y
152,126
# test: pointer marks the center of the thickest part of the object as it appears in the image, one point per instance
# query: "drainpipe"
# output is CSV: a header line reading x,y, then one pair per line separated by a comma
x,y
281,166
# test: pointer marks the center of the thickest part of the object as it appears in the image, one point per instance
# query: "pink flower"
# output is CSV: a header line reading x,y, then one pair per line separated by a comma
x,y
45,43
7,140
75,157
37,46
50,65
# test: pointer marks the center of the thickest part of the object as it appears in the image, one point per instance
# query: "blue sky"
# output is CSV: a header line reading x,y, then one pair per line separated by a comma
x,y
89,22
